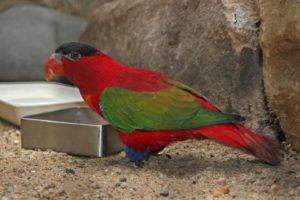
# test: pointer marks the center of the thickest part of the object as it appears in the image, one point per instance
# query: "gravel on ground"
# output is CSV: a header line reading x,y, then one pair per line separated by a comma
x,y
197,170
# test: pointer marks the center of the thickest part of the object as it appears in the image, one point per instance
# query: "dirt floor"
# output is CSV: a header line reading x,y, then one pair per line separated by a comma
x,y
197,170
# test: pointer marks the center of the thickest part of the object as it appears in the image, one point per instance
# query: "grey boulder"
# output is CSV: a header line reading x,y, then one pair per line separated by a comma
x,y
28,35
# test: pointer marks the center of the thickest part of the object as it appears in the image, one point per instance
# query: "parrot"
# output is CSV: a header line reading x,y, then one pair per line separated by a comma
x,y
150,110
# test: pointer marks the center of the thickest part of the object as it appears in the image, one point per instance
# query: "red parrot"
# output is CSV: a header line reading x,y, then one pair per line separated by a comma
x,y
148,109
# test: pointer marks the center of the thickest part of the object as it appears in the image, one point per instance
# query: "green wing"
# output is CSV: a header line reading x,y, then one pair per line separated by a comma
x,y
168,109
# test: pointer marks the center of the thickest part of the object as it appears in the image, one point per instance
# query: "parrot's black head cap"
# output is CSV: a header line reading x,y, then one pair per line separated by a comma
x,y
82,49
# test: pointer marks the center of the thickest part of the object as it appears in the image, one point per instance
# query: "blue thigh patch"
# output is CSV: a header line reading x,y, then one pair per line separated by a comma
x,y
135,155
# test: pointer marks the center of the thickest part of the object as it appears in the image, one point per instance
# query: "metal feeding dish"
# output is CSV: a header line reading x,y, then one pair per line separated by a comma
x,y
78,131
19,99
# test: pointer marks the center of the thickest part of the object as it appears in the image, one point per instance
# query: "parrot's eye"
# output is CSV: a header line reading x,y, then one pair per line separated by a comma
x,y
73,56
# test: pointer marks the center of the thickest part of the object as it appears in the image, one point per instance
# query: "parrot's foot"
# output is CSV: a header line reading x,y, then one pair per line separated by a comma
x,y
137,157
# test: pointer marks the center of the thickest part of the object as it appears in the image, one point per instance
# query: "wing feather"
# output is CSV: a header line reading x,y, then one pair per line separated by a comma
x,y
167,109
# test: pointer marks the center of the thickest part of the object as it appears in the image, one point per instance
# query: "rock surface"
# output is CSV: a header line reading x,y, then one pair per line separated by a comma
x,y
28,35
280,41
209,45
78,7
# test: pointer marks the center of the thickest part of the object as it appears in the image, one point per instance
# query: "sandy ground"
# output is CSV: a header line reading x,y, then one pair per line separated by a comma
x,y
197,170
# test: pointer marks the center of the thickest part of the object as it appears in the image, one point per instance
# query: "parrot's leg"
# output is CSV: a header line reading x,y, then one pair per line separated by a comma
x,y
136,156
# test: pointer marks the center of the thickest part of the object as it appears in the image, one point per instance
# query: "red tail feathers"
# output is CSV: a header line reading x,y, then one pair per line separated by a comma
x,y
235,135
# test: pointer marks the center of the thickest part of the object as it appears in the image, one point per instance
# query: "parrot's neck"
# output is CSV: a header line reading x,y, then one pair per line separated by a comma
x,y
94,73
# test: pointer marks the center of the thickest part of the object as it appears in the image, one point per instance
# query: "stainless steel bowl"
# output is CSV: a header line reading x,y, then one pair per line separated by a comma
x,y
78,131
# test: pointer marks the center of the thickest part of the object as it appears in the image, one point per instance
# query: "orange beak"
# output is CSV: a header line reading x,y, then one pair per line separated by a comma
x,y
53,67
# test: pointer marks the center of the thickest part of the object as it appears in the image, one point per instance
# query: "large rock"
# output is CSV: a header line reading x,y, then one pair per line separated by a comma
x,y
280,40
78,7
28,35
209,45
